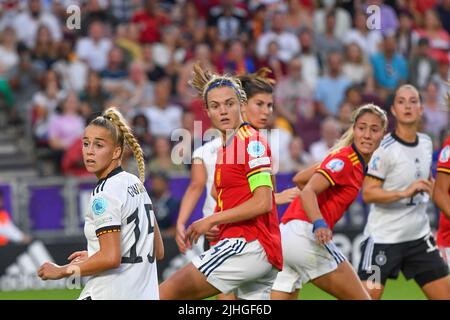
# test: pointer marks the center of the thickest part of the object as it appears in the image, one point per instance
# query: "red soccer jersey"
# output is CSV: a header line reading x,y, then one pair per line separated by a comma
x,y
344,169
443,235
241,165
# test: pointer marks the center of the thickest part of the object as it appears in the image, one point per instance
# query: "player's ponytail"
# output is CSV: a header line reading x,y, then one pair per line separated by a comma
x,y
348,136
113,120
204,80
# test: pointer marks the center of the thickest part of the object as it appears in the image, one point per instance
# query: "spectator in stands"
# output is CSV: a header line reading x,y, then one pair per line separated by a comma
x,y
93,98
141,131
8,230
149,20
443,10
326,41
96,10
437,36
436,116
441,79
71,70
168,54
137,91
367,39
45,50
162,159
298,158
389,22
389,67
330,131
9,58
127,38
94,48
27,22
164,117
421,65
44,104
344,116
65,128
226,20
115,72
331,87
298,17
308,58
357,68
404,34
288,45
236,61
342,19
165,206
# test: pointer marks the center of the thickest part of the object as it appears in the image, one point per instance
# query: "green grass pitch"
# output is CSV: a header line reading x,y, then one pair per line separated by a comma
x,y
395,290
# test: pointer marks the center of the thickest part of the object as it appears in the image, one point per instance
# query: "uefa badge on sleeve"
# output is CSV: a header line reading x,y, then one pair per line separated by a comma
x,y
99,206
445,154
256,149
335,165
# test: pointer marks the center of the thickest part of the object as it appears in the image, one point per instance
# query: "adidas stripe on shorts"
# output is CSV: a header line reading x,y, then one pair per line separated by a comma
x,y
235,265
303,258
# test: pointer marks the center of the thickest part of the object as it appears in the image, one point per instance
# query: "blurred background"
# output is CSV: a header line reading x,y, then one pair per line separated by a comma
x,y
327,57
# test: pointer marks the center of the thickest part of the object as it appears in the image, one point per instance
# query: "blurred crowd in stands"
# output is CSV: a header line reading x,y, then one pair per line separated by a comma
x,y
327,57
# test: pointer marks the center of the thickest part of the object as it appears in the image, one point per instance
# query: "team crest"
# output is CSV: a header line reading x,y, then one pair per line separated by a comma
x,y
445,154
256,149
99,206
381,259
335,165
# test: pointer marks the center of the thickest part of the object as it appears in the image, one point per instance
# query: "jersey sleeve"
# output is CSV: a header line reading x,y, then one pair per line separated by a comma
x,y
443,164
258,162
198,153
106,209
336,169
379,164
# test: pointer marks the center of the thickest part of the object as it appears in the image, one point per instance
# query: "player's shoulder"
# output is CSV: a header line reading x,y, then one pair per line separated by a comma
x,y
447,142
115,184
387,142
208,148
423,137
340,159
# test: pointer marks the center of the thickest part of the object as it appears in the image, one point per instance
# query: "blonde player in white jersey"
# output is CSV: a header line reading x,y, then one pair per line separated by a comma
x,y
398,185
123,237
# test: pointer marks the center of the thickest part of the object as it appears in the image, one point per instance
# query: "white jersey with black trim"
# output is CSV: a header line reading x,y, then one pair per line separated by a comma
x,y
398,164
208,154
120,203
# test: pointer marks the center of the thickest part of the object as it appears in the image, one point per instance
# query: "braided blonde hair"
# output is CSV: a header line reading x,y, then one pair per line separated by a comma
x,y
204,80
113,120
348,136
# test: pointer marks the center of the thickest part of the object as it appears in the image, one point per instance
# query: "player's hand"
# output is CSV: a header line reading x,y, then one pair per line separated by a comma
x,y
286,196
323,235
213,234
51,271
78,256
421,185
196,229
180,237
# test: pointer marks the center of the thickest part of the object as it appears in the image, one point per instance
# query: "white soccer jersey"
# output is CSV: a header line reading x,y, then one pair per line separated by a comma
x,y
120,203
398,164
208,154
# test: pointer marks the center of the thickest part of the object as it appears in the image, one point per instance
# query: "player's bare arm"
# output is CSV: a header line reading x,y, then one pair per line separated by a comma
x,y
373,191
441,196
190,199
302,177
259,203
158,243
317,184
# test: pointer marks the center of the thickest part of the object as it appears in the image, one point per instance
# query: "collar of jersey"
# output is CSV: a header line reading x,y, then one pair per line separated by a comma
x,y
360,157
234,133
111,174
408,144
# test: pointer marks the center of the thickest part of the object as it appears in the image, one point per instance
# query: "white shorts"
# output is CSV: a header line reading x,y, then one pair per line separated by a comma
x,y
303,258
445,253
235,265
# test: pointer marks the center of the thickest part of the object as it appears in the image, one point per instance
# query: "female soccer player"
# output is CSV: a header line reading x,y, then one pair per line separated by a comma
x,y
256,111
245,213
121,230
308,250
399,185
441,197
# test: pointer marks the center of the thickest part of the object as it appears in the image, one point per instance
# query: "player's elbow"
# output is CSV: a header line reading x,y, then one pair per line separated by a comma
x,y
159,254
263,201
112,261
367,195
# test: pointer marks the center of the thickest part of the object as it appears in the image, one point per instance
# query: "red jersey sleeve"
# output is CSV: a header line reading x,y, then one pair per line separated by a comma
x,y
443,164
335,168
258,157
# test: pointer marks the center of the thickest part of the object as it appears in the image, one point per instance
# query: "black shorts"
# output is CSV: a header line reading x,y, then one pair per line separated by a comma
x,y
419,259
